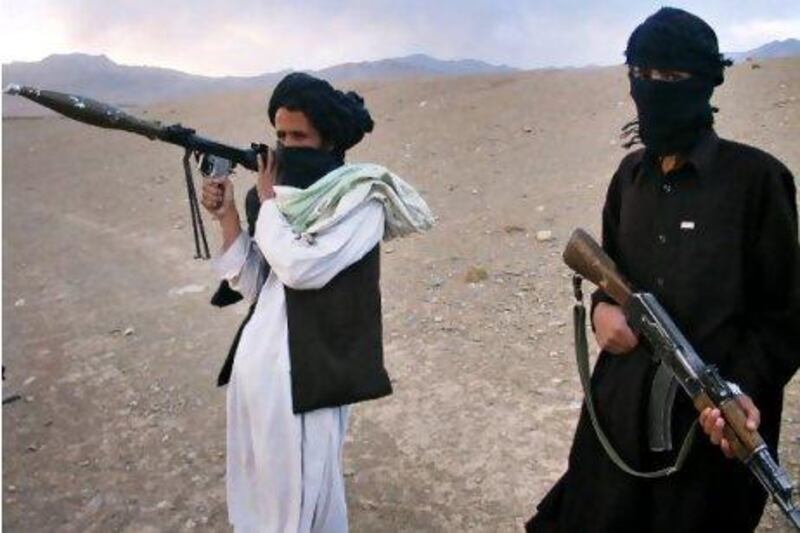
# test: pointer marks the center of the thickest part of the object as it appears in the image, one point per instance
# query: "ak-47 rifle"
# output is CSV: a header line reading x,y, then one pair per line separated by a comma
x,y
218,159
701,382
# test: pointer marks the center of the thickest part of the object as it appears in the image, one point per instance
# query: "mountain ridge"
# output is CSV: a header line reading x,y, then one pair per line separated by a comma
x,y
98,76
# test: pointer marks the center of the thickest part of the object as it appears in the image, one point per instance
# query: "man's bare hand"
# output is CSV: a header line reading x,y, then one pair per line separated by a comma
x,y
266,175
713,423
218,198
611,329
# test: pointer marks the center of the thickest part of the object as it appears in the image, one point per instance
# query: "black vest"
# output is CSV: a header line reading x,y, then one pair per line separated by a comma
x,y
335,338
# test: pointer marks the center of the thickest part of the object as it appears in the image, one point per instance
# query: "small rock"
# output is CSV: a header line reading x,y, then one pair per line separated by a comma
x,y
187,289
544,235
511,229
369,504
163,504
527,129
438,319
32,448
94,504
20,302
29,381
476,274
129,331
423,103
11,488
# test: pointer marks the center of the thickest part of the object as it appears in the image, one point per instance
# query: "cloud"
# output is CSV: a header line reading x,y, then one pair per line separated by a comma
x,y
754,33
247,37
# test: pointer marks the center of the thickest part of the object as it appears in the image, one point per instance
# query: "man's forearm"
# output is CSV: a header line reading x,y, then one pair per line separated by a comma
x,y
231,228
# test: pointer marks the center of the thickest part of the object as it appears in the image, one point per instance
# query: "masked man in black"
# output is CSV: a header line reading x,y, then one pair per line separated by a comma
x,y
710,227
312,343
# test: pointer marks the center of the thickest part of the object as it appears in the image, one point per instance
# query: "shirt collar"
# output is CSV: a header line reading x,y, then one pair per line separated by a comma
x,y
700,157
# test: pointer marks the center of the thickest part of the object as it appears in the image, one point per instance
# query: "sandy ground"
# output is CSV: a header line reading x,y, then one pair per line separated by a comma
x,y
110,341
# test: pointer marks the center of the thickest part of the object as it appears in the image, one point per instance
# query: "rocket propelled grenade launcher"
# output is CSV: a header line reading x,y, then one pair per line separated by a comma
x,y
218,159
701,382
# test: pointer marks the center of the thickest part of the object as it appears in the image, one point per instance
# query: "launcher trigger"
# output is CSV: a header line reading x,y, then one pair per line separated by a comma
x,y
214,167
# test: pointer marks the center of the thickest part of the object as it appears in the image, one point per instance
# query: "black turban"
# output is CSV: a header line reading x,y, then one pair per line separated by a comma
x,y
340,118
673,39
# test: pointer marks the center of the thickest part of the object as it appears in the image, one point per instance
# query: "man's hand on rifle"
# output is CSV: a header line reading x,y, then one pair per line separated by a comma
x,y
611,329
218,198
713,423
266,175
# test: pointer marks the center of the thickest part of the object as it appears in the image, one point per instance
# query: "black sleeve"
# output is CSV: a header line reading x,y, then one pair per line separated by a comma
x,y
225,296
611,217
252,206
768,353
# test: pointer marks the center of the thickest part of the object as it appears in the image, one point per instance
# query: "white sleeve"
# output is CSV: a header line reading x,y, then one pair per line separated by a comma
x,y
302,265
243,265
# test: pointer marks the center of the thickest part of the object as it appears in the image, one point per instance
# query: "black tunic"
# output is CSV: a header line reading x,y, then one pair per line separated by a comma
x,y
716,242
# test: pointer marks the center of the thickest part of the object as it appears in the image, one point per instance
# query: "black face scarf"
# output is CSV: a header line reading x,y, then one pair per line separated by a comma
x,y
672,116
297,167
301,167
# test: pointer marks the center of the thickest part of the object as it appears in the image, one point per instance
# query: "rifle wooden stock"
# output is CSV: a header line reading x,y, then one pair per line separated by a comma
x,y
587,258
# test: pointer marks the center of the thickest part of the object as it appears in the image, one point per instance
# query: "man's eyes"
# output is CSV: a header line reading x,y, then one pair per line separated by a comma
x,y
296,135
646,74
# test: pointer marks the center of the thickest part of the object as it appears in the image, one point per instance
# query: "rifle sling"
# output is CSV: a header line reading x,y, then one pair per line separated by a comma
x,y
582,357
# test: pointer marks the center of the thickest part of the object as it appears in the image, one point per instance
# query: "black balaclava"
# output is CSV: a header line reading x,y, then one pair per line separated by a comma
x,y
672,116
340,118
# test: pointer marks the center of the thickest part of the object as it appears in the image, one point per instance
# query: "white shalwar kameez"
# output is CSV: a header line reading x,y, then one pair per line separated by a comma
x,y
284,471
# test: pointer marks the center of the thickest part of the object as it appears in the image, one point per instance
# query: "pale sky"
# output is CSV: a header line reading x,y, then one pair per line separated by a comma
x,y
248,37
